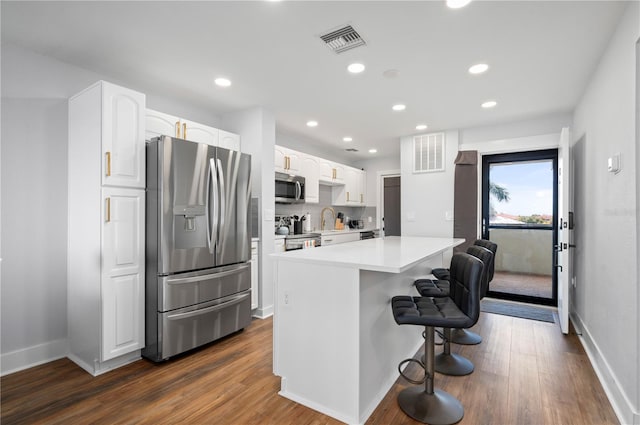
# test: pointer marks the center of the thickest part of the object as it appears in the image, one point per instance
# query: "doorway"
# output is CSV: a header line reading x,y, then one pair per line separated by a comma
x,y
391,195
519,213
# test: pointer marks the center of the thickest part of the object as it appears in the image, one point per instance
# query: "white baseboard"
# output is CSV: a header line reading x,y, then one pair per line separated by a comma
x,y
25,358
98,368
263,313
622,406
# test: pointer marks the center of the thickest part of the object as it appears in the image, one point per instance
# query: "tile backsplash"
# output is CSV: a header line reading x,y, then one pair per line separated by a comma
x,y
325,201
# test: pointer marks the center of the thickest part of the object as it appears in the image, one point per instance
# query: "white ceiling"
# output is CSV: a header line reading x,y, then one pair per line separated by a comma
x,y
541,55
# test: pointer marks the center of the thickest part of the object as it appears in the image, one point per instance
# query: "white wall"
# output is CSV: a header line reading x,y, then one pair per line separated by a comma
x,y
427,198
256,128
605,301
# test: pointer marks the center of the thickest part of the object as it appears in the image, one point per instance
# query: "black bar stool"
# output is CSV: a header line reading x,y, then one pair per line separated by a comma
x,y
464,336
460,310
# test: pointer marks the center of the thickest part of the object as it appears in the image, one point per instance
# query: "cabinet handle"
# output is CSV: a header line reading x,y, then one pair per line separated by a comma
x,y
287,164
361,198
108,155
184,130
108,212
178,129
347,196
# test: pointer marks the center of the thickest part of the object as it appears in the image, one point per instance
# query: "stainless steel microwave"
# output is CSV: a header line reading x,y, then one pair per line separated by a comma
x,y
289,189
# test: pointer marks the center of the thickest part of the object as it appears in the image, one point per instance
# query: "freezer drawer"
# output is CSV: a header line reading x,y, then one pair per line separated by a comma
x,y
191,327
186,289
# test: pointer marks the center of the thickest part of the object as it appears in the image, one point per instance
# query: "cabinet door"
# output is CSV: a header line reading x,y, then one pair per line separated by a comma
x,y
339,174
352,193
122,286
280,159
228,140
326,171
255,282
200,133
160,124
123,123
294,162
362,184
310,169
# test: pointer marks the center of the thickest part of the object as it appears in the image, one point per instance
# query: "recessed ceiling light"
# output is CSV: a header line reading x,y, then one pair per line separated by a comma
x,y
399,107
312,123
457,4
478,68
222,82
421,127
355,68
489,104
373,150
347,139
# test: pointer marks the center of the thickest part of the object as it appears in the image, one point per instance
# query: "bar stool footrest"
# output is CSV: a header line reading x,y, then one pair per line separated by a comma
x,y
413,381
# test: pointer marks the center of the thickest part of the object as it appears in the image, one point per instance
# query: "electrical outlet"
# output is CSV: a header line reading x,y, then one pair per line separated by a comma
x,y
287,298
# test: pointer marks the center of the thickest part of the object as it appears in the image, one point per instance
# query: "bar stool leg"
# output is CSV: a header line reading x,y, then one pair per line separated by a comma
x,y
448,363
427,405
465,337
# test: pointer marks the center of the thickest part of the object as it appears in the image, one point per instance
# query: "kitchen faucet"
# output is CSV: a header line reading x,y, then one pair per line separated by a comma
x,y
333,212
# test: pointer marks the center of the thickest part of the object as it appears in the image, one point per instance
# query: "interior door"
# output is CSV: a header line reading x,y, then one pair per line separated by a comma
x,y
391,206
564,251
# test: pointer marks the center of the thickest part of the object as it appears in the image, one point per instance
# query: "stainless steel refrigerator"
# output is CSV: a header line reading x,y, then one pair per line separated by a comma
x,y
198,285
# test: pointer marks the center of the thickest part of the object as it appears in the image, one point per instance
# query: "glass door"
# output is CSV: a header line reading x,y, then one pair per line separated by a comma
x,y
519,212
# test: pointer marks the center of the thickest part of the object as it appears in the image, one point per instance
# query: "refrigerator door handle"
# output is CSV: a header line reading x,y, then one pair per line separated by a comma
x,y
212,183
223,205
200,278
235,300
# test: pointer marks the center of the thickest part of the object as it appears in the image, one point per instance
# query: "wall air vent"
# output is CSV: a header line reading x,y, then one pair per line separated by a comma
x,y
343,39
351,150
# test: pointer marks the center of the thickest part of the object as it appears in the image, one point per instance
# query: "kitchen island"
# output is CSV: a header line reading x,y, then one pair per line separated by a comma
x,y
336,346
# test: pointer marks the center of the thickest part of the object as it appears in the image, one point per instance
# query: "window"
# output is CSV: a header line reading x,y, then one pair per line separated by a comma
x,y
428,153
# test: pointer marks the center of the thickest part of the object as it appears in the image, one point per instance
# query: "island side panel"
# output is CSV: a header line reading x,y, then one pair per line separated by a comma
x,y
383,343
316,336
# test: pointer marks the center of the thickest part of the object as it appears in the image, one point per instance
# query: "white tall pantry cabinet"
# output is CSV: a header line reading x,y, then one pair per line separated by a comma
x,y
105,264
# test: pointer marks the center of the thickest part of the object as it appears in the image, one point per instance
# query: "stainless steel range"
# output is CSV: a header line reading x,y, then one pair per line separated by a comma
x,y
304,240
198,286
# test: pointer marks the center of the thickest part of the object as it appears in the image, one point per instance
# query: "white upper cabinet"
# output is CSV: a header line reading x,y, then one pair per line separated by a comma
x,y
331,172
311,171
228,140
199,133
122,133
352,193
286,160
159,123
348,183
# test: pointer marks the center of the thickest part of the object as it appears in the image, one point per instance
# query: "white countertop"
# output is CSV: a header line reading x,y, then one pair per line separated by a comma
x,y
392,254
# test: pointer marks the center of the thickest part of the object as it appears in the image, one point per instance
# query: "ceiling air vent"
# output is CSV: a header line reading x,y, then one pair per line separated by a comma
x,y
343,39
351,150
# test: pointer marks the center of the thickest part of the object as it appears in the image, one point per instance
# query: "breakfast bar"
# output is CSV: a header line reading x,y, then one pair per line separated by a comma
x,y
336,346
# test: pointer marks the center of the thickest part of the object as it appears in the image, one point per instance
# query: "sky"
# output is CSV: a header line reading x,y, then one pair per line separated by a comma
x,y
530,186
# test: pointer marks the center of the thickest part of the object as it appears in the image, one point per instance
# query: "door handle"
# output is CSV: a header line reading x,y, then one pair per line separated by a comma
x,y
212,184
108,158
223,204
298,191
108,210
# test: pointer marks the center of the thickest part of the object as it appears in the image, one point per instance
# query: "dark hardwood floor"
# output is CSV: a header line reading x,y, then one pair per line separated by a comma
x,y
527,372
